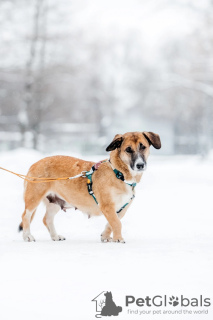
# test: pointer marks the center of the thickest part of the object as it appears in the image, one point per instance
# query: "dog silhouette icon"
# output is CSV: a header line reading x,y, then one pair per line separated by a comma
x,y
110,308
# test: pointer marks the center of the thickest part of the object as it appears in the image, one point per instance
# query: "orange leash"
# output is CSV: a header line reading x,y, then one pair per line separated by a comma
x,y
41,180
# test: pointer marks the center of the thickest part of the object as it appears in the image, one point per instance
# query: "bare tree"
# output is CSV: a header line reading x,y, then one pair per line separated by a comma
x,y
102,304
31,111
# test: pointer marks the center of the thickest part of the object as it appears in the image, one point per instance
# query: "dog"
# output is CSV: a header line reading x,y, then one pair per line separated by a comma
x,y
109,190
110,308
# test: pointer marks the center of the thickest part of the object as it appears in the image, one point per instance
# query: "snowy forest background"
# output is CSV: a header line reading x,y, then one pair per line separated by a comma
x,y
73,73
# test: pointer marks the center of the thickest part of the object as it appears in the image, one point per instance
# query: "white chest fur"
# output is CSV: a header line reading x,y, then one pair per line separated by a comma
x,y
122,198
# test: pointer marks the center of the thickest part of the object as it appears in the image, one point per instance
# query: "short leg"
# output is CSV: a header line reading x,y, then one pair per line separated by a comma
x,y
20,228
106,234
113,220
33,196
26,219
51,210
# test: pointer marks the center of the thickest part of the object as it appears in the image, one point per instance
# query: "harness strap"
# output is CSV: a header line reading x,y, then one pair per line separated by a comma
x,y
126,204
89,183
119,175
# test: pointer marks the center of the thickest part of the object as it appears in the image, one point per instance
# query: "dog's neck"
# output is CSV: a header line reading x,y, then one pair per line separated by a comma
x,y
129,174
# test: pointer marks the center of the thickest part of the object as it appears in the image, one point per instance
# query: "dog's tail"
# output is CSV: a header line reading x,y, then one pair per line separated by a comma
x,y
20,227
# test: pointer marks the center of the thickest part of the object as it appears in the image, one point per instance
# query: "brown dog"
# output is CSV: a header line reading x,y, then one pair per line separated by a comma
x,y
111,190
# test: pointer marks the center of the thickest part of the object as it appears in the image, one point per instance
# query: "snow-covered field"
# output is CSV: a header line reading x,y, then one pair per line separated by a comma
x,y
168,250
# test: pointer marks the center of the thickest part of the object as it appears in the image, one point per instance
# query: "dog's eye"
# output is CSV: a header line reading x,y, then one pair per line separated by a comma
x,y
129,150
142,147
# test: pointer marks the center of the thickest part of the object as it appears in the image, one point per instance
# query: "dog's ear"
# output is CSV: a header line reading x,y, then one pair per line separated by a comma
x,y
116,142
153,139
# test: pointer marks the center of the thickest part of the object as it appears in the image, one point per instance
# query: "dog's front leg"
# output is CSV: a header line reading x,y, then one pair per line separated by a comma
x,y
106,234
114,224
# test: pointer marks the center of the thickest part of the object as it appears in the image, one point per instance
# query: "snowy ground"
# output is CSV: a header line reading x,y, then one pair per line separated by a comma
x,y
168,250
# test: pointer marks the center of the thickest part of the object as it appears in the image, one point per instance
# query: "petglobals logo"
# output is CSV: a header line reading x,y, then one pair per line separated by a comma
x,y
164,301
105,305
167,305
150,305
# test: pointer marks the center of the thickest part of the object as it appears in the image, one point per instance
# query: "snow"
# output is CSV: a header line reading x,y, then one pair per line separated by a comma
x,y
168,250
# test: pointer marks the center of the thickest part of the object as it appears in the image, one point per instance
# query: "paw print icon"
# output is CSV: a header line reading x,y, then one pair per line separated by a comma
x,y
174,301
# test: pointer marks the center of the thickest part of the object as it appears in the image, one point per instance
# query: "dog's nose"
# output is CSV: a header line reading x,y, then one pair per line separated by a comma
x,y
140,166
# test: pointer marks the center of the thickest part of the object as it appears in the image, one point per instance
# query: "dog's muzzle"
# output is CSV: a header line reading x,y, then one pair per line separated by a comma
x,y
140,165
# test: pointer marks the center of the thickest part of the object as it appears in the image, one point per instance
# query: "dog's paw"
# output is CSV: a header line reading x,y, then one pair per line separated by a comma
x,y
106,238
28,238
57,237
118,240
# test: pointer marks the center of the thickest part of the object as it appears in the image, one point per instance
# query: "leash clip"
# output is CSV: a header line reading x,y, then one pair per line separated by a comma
x,y
83,174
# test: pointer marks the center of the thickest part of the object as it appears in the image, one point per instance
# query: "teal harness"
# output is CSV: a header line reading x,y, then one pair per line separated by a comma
x,y
119,175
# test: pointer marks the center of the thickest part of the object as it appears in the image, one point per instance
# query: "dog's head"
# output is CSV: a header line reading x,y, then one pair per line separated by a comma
x,y
108,295
133,148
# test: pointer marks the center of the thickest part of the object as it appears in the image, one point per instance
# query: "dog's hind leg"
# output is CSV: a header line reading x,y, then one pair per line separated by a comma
x,y
25,225
32,197
51,210
20,228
